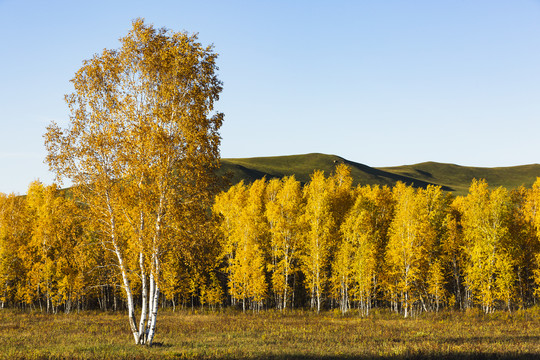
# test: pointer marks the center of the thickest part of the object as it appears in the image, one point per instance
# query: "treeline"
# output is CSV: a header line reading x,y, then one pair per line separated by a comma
x,y
329,245
280,244
54,257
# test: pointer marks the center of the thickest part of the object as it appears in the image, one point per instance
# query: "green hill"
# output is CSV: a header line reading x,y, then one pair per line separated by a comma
x,y
454,178
459,177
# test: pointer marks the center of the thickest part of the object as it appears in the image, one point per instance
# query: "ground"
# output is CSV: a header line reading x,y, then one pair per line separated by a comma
x,y
273,335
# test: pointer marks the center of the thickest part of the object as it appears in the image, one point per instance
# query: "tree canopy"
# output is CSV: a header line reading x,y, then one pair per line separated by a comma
x,y
141,149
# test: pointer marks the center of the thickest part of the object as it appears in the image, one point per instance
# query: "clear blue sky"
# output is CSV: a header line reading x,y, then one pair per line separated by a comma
x,y
383,83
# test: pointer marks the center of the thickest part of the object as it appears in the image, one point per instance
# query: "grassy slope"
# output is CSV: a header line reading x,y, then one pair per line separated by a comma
x,y
451,177
302,166
459,177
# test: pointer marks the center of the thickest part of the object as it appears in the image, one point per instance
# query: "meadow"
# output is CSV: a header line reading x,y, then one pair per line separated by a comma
x,y
231,334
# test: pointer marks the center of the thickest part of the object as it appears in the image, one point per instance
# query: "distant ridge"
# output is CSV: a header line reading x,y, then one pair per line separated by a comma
x,y
460,177
450,177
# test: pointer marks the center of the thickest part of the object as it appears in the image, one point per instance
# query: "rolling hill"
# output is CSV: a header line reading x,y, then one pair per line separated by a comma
x,y
451,177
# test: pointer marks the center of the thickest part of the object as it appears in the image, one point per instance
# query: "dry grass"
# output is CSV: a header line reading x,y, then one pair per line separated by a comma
x,y
271,335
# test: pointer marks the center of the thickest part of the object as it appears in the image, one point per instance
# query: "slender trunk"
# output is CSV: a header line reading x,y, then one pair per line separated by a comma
x,y
154,275
318,290
151,298
144,285
277,298
155,304
423,303
293,290
458,286
318,300
39,299
129,297
286,279
406,304
521,294
144,303
125,279
347,299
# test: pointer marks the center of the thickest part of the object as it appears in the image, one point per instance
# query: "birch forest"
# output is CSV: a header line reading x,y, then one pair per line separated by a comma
x,y
280,244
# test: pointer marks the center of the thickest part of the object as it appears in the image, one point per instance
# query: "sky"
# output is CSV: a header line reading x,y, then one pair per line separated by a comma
x,y
382,83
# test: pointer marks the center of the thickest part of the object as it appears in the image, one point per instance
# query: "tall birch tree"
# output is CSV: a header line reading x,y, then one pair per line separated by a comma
x,y
411,247
452,244
15,230
364,237
142,142
283,215
244,230
247,280
532,216
489,271
317,240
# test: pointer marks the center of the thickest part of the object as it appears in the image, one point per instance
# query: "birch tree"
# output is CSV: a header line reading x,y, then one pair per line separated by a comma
x,y
452,244
59,255
404,250
341,199
15,231
283,215
228,205
142,142
489,271
364,237
245,232
319,222
247,269
413,234
532,216
524,245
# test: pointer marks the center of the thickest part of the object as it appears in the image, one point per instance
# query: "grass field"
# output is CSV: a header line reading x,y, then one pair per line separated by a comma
x,y
272,335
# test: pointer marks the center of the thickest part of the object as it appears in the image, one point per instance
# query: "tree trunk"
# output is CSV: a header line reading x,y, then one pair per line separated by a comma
x,y
144,301
286,280
125,279
155,304
129,298
154,276
405,304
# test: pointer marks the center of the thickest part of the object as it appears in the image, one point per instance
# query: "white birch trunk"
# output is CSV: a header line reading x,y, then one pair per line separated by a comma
x,y
286,278
144,302
129,295
151,294
155,304
318,290
406,304
125,279
154,277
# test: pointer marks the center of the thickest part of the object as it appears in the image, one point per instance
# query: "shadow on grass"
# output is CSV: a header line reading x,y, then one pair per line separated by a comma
x,y
395,177
449,356
493,339
161,345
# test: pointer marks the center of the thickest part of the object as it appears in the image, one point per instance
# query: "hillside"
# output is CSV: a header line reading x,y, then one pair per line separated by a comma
x,y
451,177
302,166
459,177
